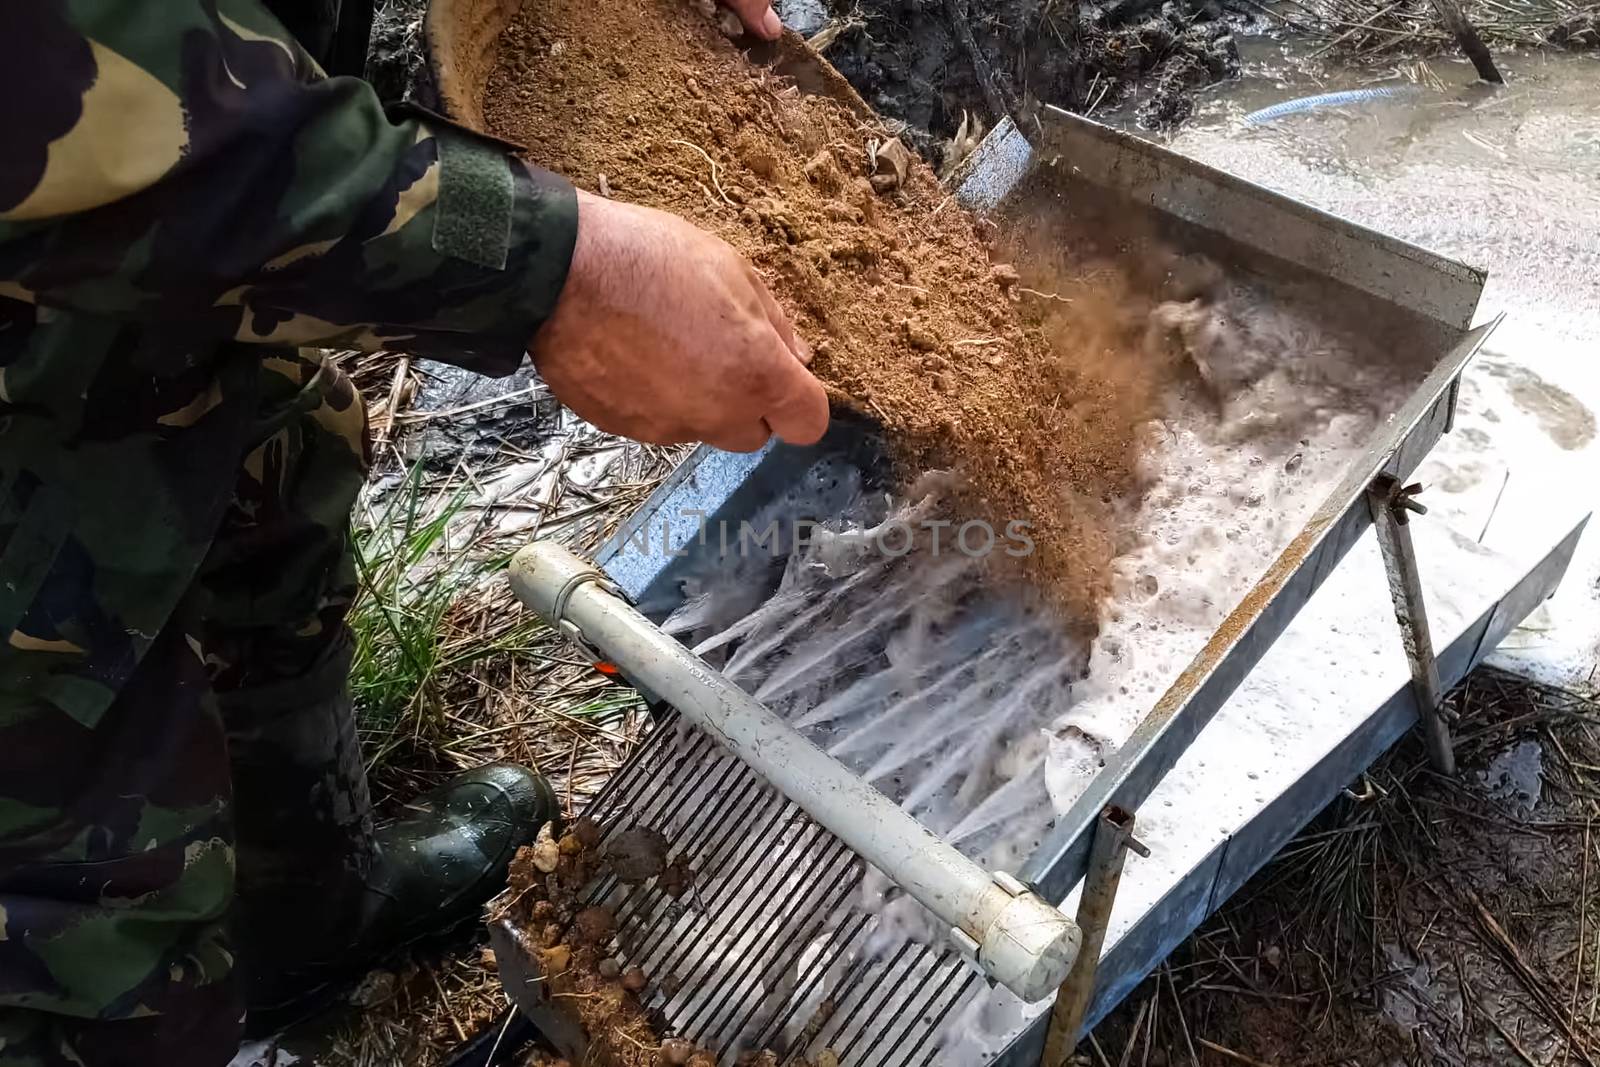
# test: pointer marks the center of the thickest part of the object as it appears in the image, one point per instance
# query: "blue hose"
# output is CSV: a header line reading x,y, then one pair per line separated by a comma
x,y
1309,103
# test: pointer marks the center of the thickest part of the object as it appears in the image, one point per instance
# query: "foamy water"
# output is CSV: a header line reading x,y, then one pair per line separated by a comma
x,y
976,714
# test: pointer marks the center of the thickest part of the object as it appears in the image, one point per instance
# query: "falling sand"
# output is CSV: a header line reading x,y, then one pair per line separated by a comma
x,y
887,278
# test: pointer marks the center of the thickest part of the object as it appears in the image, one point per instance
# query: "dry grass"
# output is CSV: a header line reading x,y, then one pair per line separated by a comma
x,y
451,672
1418,920
420,1014
1380,28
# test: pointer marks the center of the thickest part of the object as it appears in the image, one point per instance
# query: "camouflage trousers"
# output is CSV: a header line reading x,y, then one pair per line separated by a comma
x,y
228,754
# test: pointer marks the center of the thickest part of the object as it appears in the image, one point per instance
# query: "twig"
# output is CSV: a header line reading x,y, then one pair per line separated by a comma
x,y
1354,29
1133,1035
1044,296
992,94
635,1042
1527,976
1583,925
572,762
1469,1017
428,416
392,409
1237,1057
1150,1029
444,1002
1506,1034
715,170
1177,1004
504,1028
1497,498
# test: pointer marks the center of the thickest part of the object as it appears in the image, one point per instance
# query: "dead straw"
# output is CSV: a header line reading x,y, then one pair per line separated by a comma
x,y
1472,915
1405,27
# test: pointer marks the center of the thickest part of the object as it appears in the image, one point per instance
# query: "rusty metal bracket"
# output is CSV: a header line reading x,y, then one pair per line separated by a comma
x,y
1392,505
1113,840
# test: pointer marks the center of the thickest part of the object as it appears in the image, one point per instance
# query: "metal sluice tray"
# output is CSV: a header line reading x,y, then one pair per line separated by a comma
x,y
771,950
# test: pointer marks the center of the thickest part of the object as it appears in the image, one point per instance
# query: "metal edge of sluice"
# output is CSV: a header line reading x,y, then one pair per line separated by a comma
x,y
1210,883
1244,637
1256,216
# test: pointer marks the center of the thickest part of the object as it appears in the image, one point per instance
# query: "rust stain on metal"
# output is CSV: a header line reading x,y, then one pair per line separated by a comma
x,y
1249,610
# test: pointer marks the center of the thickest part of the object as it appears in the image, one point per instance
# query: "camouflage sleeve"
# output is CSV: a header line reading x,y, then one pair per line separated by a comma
x,y
185,165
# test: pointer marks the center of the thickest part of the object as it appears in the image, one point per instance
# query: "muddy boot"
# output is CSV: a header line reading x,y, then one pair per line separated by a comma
x,y
321,896
436,867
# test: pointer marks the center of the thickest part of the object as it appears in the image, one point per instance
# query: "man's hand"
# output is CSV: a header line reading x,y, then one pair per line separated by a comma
x,y
664,334
758,17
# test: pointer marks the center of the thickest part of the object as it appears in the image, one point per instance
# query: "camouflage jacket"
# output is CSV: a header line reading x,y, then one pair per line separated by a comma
x,y
181,189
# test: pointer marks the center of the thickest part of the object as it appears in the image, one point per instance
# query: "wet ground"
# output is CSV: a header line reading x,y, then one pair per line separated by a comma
x,y
1505,179
941,68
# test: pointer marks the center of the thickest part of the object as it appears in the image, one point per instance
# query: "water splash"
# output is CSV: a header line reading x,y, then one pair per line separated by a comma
x,y
909,669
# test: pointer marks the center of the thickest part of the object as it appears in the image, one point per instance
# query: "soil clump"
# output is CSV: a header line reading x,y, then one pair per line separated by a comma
x,y
575,950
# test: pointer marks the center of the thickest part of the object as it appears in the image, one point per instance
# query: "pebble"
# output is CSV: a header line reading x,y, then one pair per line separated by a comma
x,y
675,1052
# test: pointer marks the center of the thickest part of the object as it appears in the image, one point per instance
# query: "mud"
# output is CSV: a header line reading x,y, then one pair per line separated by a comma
x,y
575,948
889,280
1559,414
544,896
907,59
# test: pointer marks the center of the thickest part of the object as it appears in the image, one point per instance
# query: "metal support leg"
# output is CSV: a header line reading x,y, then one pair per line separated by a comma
x,y
1113,838
1391,506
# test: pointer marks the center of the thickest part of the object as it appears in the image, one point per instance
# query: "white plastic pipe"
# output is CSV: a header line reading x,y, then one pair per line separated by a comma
x,y
1017,937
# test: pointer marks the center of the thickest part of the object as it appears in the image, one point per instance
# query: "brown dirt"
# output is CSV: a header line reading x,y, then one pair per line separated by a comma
x,y
895,290
575,949
575,956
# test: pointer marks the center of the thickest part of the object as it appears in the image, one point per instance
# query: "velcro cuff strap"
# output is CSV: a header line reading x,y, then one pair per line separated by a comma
x,y
477,200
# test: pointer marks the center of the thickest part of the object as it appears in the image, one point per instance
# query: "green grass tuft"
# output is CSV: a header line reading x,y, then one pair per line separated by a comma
x,y
421,574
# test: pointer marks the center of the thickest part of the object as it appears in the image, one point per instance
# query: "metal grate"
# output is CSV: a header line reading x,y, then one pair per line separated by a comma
x,y
769,949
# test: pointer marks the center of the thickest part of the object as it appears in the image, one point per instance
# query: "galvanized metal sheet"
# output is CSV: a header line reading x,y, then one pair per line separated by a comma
x,y
1208,883
1375,263
1250,630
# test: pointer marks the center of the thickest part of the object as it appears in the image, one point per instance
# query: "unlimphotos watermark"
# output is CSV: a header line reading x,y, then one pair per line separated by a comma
x,y
974,538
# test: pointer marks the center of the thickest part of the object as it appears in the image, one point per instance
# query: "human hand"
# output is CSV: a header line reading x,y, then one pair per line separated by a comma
x,y
758,17
665,334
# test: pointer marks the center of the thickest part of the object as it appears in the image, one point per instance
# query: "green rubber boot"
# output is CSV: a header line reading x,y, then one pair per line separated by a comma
x,y
321,896
437,867
427,875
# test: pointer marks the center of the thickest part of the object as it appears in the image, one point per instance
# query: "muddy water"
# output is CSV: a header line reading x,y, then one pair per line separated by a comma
x,y
1504,179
